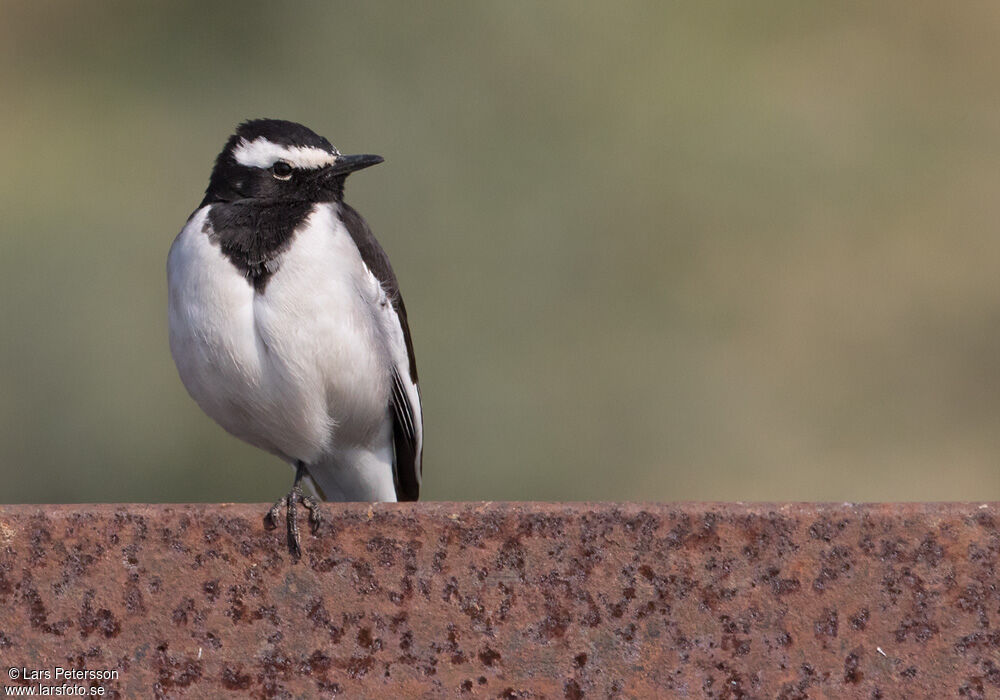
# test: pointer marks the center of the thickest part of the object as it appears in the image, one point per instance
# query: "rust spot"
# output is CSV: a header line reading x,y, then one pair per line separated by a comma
x,y
826,625
133,600
860,620
234,680
211,589
851,673
173,671
101,620
489,657
572,691
366,641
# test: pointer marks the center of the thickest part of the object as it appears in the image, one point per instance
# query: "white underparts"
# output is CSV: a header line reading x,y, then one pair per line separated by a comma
x,y
261,153
302,370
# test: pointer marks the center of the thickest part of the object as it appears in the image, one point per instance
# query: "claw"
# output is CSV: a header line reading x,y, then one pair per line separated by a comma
x,y
271,518
314,516
289,502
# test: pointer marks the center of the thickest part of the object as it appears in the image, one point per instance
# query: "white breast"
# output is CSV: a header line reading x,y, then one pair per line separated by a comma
x,y
297,369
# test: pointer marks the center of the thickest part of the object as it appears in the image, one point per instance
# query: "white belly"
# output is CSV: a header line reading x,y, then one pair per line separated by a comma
x,y
299,370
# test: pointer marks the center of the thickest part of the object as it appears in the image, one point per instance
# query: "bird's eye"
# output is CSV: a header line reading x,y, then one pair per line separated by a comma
x,y
281,170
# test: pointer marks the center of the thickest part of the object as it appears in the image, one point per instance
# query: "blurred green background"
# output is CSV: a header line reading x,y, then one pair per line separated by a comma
x,y
650,251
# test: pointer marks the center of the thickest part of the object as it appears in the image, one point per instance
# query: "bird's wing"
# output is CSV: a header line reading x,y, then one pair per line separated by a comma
x,y
408,431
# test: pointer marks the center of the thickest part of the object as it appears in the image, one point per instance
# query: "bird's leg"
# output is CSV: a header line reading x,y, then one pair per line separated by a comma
x,y
289,501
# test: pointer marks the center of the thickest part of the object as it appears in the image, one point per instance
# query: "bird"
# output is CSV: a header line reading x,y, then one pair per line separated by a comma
x,y
287,326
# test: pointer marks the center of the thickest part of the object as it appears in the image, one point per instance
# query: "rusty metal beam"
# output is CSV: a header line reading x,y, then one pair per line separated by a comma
x,y
508,600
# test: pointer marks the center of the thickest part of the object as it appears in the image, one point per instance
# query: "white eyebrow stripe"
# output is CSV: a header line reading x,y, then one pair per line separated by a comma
x,y
261,153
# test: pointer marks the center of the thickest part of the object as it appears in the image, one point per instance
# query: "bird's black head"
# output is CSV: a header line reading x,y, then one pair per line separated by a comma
x,y
280,161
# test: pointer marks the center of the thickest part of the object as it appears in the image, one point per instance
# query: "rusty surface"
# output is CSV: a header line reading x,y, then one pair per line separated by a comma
x,y
508,600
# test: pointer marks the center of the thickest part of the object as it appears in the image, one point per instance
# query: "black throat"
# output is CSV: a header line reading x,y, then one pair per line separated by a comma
x,y
252,233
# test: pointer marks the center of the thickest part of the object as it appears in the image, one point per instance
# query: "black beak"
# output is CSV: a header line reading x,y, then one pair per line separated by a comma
x,y
348,164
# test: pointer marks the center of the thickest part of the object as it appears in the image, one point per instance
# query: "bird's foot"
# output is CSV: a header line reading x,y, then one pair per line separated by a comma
x,y
289,502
